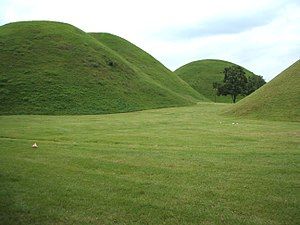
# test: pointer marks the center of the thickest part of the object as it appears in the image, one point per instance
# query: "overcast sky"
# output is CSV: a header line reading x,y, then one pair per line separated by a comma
x,y
263,36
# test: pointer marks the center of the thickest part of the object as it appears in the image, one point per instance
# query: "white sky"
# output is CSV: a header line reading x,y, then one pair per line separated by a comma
x,y
263,36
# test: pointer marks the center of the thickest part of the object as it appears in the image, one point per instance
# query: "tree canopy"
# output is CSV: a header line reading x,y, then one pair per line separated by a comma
x,y
254,82
236,83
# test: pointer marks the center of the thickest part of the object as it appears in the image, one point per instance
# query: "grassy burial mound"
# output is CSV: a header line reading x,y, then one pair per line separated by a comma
x,y
201,75
277,100
55,68
146,64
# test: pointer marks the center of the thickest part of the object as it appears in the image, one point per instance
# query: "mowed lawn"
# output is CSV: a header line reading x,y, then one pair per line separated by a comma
x,y
172,166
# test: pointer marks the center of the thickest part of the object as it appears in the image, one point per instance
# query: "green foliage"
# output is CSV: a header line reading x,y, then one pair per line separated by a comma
x,y
55,68
203,73
175,166
253,83
277,100
234,83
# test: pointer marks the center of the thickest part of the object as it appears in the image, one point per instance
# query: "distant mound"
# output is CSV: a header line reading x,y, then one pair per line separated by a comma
x,y
277,100
55,68
201,75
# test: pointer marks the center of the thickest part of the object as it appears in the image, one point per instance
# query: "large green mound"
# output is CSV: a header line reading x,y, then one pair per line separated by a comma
x,y
277,100
55,68
145,63
201,75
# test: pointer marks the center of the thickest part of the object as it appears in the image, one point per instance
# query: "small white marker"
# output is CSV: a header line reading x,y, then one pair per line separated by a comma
x,y
35,145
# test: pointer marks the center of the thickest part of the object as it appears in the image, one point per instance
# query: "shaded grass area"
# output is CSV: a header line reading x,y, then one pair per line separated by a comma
x,y
168,166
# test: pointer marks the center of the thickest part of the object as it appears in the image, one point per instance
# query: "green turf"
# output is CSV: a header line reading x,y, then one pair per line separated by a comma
x,y
186,165
277,100
201,75
55,68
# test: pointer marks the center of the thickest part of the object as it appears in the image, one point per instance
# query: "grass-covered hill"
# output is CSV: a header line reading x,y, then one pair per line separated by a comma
x,y
201,75
277,100
55,68
145,63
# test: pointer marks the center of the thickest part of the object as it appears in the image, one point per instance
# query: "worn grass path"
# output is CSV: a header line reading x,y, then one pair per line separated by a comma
x,y
167,166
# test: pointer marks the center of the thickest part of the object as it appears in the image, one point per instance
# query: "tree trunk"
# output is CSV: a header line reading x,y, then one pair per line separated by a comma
x,y
234,98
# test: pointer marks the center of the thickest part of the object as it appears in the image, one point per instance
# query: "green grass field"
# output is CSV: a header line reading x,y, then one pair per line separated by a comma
x,y
186,165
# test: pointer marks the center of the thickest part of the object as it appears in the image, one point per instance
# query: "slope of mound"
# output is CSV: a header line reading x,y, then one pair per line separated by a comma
x,y
55,68
145,63
201,75
277,100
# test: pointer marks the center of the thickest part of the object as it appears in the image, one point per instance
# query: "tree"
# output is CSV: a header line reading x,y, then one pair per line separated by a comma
x,y
254,82
234,83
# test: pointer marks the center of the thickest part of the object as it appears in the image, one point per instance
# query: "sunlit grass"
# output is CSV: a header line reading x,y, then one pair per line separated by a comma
x,y
169,166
